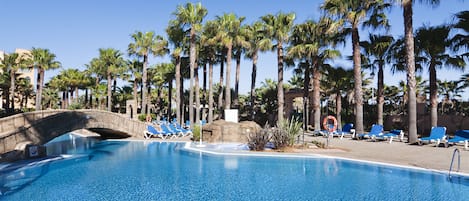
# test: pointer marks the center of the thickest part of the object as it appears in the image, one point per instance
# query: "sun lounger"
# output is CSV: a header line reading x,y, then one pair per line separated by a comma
x,y
346,130
376,131
181,131
186,132
461,136
174,133
152,131
437,134
398,134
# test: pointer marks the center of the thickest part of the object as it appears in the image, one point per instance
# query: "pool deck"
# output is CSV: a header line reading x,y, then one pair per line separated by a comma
x,y
397,153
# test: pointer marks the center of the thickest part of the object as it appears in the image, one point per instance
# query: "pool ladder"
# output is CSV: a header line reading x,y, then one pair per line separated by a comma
x,y
452,160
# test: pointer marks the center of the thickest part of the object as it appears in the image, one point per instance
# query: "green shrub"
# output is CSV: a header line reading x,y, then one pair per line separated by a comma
x,y
196,133
291,128
75,106
321,145
258,140
280,138
143,117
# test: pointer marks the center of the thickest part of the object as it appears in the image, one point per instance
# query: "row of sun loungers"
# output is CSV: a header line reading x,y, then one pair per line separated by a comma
x,y
165,130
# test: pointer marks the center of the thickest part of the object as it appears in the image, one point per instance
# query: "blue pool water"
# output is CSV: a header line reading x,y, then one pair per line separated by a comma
x,y
138,170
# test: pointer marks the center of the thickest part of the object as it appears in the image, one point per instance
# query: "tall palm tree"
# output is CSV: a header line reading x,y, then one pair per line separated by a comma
x,y
278,28
145,44
229,35
111,60
258,41
136,69
176,37
43,60
336,83
351,15
190,18
433,43
410,64
12,63
377,48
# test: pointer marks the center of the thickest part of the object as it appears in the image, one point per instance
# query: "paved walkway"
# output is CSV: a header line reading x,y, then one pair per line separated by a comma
x,y
400,153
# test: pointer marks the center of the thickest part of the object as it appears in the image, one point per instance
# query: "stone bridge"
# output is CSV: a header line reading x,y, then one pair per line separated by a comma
x,y
42,126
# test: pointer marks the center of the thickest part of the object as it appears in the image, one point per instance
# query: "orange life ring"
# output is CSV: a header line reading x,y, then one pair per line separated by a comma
x,y
325,123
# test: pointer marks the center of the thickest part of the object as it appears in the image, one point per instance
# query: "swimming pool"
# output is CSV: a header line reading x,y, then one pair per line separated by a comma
x,y
139,170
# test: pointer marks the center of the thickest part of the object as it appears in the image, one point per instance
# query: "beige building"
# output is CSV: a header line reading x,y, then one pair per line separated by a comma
x,y
29,73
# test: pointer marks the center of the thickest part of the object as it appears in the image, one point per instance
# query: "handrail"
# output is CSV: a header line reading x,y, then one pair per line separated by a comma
x,y
452,160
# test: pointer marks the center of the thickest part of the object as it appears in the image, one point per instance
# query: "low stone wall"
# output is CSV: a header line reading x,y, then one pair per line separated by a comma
x,y
223,131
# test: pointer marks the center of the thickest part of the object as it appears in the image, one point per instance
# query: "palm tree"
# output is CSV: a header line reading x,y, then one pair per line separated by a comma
x,y
166,72
377,48
258,41
462,25
278,28
135,68
228,35
43,60
176,38
410,64
352,14
335,83
12,63
433,44
145,44
112,61
190,18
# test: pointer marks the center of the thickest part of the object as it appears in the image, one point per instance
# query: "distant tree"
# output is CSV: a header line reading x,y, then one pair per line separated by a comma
x,y
43,60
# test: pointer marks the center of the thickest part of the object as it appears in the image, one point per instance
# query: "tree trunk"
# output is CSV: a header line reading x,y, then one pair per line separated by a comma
x,y
197,96
357,73
280,82
433,95
306,97
410,62
144,109
316,96
178,90
338,102
39,84
109,94
135,105
204,93
228,78
191,79
220,90
238,69
253,82
12,89
380,95
170,97
210,93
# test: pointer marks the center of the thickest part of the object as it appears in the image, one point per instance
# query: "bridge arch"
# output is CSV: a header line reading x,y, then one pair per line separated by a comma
x,y
42,126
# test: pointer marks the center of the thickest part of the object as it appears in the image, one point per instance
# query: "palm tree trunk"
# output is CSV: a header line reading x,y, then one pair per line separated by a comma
x,y
135,105
357,73
210,93
316,96
170,97
39,84
191,79
144,109
410,62
338,102
197,95
280,82
178,90
238,69
12,89
253,82
228,78
306,97
204,92
433,96
220,90
109,94
380,93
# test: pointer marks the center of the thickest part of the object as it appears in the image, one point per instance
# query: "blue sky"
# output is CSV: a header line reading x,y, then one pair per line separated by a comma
x,y
75,29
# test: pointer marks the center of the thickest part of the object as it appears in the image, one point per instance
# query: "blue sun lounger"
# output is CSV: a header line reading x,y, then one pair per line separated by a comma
x,y
461,136
347,129
398,134
152,131
376,131
437,134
